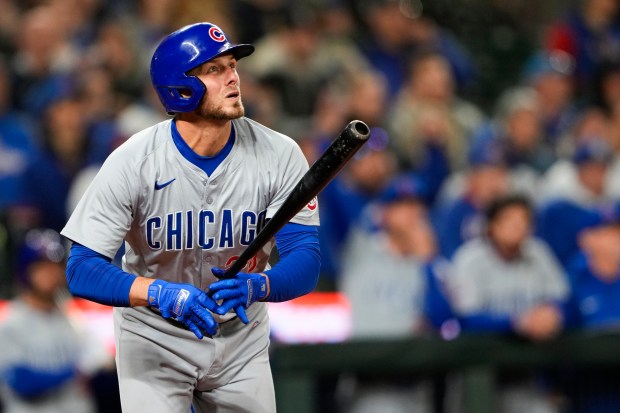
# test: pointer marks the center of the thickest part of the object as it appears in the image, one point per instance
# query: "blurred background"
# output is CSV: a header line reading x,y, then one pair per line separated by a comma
x,y
471,250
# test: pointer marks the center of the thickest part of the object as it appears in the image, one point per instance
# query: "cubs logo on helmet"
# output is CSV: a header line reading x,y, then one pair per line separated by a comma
x,y
216,34
180,52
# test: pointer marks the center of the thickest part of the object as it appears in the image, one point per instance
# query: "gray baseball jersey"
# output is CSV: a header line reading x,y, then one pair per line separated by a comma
x,y
481,282
178,223
386,291
46,342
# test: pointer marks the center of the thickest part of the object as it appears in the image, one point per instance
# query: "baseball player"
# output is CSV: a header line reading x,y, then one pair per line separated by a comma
x,y
187,196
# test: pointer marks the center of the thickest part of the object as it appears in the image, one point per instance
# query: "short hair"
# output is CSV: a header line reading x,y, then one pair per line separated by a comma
x,y
500,204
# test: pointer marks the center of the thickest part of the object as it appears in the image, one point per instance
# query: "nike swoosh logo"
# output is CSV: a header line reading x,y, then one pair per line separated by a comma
x,y
165,184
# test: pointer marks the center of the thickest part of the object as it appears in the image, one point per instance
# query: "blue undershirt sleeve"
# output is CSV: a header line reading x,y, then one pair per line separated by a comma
x,y
434,170
92,276
436,304
29,383
297,272
484,323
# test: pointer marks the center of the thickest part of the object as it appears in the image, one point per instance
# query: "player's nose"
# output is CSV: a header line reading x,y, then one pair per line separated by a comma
x,y
233,76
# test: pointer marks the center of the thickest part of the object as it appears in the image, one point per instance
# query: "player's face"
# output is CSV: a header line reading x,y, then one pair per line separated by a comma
x,y
46,278
222,100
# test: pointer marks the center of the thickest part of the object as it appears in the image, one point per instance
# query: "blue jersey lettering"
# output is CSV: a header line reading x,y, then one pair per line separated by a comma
x,y
151,224
178,229
174,231
189,239
248,227
204,218
227,239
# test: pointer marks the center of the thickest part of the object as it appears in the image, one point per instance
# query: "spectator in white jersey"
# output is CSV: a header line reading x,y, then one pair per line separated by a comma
x,y
45,360
386,261
508,282
390,260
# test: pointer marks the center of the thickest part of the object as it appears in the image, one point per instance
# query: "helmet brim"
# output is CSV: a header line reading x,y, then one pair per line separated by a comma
x,y
242,50
239,51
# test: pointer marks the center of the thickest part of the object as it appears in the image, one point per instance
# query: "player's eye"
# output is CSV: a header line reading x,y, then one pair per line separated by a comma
x,y
212,69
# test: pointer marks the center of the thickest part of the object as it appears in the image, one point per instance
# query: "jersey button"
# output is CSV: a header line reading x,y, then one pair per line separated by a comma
x,y
208,259
209,200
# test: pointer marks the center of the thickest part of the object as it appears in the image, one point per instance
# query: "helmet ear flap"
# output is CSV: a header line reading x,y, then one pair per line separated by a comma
x,y
184,97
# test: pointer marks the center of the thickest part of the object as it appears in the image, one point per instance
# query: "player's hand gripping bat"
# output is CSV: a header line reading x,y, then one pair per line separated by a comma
x,y
335,157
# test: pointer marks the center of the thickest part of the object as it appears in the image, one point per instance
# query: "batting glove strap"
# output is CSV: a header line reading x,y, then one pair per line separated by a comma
x,y
258,288
154,292
266,287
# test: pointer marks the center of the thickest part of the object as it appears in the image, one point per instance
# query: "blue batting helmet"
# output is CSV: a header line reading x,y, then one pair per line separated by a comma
x,y
39,245
181,51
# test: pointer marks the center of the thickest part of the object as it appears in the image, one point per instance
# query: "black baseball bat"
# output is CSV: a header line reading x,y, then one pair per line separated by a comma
x,y
335,157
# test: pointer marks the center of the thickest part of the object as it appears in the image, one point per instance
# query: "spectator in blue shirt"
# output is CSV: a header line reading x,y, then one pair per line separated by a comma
x,y
594,307
65,151
17,143
459,217
594,274
576,199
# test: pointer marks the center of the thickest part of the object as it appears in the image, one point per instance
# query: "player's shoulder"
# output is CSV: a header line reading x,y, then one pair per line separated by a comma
x,y
536,246
141,144
15,316
472,252
253,131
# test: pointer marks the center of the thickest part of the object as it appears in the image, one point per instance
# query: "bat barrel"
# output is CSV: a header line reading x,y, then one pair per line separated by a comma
x,y
335,157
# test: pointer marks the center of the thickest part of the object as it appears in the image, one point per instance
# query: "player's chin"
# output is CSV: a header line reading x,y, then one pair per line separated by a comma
x,y
234,111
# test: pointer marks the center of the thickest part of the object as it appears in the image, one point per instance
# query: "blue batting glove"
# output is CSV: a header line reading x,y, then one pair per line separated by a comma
x,y
184,303
239,292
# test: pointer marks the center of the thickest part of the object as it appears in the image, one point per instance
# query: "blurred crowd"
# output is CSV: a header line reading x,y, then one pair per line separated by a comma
x,y
460,214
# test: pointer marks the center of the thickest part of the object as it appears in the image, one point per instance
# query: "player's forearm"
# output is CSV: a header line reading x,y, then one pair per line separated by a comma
x,y
90,275
297,271
294,276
